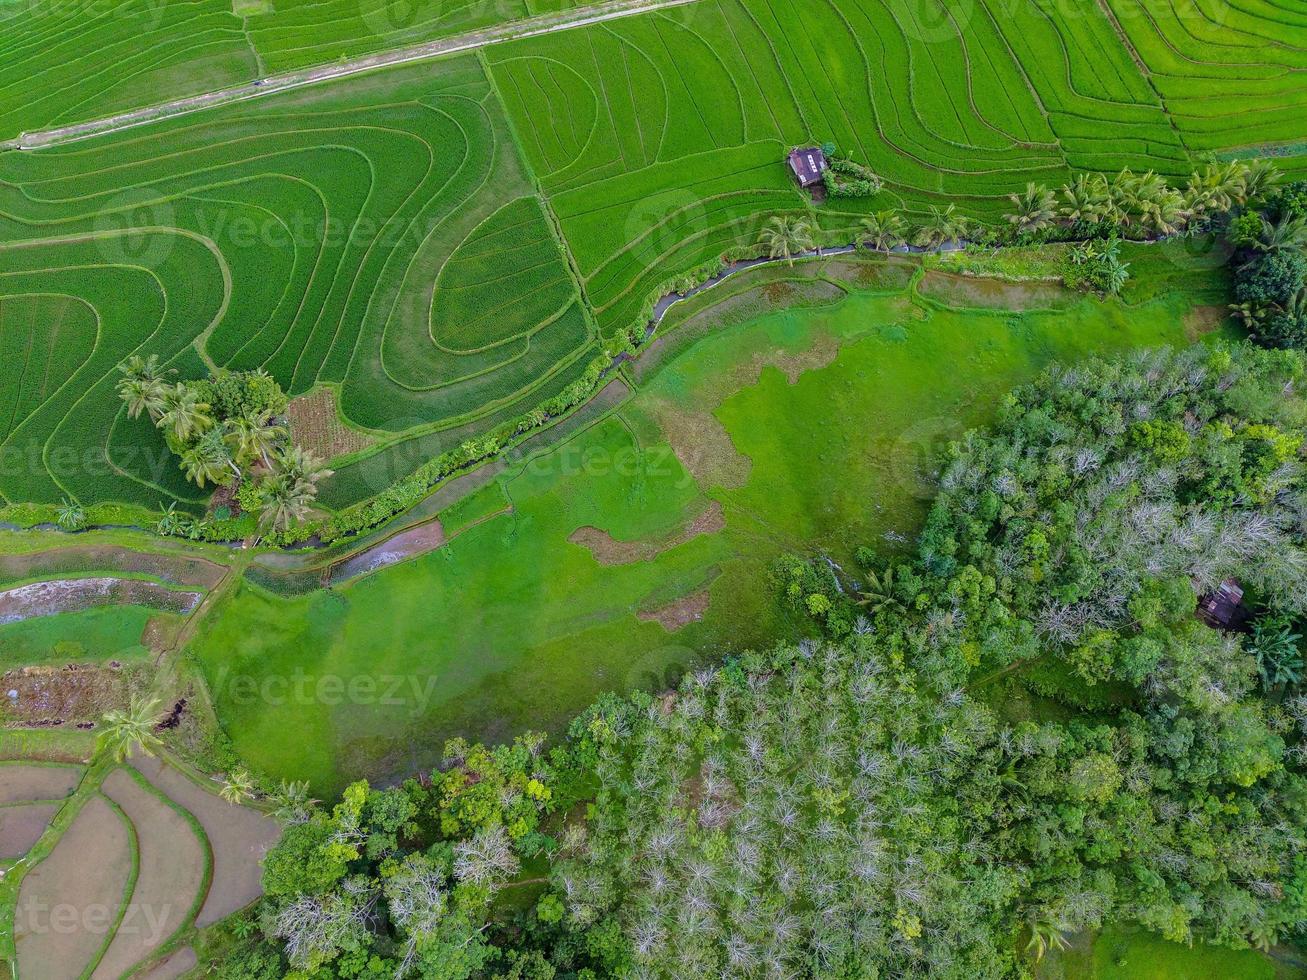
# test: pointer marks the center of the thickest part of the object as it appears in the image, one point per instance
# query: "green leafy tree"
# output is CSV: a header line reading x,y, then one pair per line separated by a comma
x,y
942,226
71,515
1277,648
183,415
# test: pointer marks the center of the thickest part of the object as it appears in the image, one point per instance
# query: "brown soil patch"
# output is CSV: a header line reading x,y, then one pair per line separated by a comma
x,y
75,595
21,784
239,836
179,963
976,292
67,904
607,550
75,694
172,866
1203,320
161,634
22,825
703,446
676,615
316,425
177,569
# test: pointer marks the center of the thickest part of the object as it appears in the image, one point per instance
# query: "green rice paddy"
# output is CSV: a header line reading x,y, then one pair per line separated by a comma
x,y
448,241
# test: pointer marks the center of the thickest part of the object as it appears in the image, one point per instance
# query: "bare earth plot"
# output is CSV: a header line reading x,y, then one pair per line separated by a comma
x,y
148,854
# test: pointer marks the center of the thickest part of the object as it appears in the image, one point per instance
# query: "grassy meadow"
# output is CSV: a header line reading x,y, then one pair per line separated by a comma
x,y
810,422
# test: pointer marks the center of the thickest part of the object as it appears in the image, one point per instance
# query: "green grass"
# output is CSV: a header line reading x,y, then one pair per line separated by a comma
x,y
112,632
302,235
512,625
1125,953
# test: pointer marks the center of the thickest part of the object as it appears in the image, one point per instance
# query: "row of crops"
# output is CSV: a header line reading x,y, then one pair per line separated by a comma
x,y
66,61
443,241
381,235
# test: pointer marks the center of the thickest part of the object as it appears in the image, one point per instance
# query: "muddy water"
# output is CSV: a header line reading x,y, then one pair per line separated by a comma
x,y
407,544
75,595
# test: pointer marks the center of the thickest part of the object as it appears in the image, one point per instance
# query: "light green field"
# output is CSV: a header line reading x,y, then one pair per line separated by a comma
x,y
812,429
1129,953
111,633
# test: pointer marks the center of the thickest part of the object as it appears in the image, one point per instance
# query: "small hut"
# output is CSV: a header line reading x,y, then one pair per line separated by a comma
x,y
1223,609
808,164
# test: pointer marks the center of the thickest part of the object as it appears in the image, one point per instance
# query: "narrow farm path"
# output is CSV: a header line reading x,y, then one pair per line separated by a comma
x,y
550,23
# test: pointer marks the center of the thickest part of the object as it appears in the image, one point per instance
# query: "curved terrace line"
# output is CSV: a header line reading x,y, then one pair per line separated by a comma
x,y
474,40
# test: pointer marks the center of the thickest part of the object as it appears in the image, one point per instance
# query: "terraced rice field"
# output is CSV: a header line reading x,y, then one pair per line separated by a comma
x,y
120,864
65,62
440,247
1232,75
673,124
358,234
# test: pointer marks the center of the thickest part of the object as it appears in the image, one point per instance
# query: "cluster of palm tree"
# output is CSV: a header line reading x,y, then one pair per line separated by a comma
x,y
1142,205
224,451
1137,205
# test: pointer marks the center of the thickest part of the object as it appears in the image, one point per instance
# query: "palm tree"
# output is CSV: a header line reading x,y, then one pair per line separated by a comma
x,y
138,368
237,787
289,492
71,515
884,230
1045,934
255,435
1086,198
1247,314
183,414
783,237
1165,212
141,386
125,731
879,595
1036,207
1259,176
1290,232
302,465
208,460
942,226
292,803
1215,190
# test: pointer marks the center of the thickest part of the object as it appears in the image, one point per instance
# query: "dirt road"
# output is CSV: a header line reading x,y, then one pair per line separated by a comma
x,y
530,27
